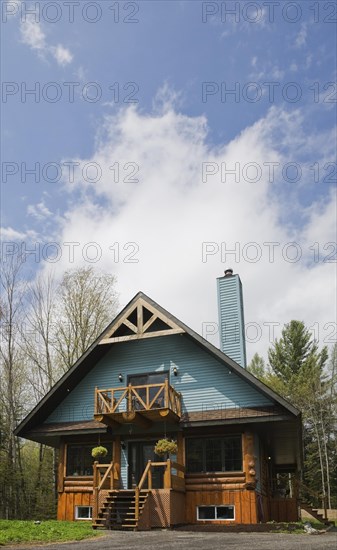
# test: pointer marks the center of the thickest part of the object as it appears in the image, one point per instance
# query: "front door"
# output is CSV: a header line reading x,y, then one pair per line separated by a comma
x,y
140,453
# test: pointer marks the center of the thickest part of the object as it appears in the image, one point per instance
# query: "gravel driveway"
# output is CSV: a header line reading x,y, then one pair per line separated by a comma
x,y
172,540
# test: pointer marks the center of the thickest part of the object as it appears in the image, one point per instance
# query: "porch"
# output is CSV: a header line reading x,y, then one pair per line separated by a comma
x,y
138,404
143,507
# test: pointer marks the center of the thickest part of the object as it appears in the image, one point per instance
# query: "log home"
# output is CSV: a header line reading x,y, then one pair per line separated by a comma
x,y
148,376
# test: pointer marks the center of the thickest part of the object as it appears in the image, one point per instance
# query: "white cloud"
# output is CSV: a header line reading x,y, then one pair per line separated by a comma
x,y
301,38
253,61
294,67
39,211
34,36
10,234
151,232
277,73
62,55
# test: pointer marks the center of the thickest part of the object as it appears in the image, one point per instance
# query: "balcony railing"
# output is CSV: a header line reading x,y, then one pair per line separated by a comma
x,y
123,403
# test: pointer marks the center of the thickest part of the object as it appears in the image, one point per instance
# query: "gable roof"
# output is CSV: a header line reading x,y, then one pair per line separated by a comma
x,y
141,318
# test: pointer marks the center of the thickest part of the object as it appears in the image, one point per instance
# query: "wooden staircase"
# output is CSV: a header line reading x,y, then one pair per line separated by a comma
x,y
306,497
314,513
118,510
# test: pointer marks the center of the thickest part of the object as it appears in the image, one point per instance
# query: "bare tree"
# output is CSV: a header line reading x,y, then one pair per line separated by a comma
x,y
87,303
12,377
38,335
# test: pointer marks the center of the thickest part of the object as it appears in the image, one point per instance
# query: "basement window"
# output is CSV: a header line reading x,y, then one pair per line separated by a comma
x,y
222,513
83,512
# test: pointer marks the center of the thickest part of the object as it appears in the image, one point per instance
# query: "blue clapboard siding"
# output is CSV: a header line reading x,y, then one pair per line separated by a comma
x,y
124,468
205,383
231,318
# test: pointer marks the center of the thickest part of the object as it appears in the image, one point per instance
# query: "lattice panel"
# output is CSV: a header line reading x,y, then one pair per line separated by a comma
x,y
101,498
160,508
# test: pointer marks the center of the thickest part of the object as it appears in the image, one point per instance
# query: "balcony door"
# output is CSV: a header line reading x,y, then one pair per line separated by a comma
x,y
139,454
146,380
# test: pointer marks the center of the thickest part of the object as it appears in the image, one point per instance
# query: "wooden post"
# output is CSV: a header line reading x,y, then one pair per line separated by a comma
x,y
129,398
137,504
116,459
95,488
61,471
248,456
325,507
167,475
149,477
96,411
166,393
181,449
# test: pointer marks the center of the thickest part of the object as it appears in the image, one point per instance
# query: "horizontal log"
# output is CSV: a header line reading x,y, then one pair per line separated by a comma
x,y
215,474
83,483
80,478
210,481
215,487
78,489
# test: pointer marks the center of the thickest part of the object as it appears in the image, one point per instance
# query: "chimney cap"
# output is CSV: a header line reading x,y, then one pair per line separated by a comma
x,y
228,272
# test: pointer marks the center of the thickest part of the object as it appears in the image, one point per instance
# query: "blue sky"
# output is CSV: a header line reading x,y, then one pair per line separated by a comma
x,y
151,133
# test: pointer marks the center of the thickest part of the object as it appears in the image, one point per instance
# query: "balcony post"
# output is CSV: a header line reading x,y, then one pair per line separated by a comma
x,y
166,394
96,411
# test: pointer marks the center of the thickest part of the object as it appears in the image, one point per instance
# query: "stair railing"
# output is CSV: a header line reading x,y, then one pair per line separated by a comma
x,y
171,481
100,479
320,496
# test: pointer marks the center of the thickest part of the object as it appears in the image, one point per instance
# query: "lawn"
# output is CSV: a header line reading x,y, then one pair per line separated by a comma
x,y
15,531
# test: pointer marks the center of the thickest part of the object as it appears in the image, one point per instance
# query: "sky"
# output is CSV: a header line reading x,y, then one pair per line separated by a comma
x,y
164,141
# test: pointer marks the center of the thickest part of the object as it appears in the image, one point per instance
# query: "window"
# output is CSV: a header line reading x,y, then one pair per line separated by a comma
x,y
209,513
145,380
216,454
80,461
83,512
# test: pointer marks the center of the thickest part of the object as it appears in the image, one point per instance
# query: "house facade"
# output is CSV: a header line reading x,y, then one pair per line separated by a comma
x,y
149,377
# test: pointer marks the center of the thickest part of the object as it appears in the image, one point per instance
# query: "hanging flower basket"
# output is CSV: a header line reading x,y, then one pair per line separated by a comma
x,y
165,447
99,452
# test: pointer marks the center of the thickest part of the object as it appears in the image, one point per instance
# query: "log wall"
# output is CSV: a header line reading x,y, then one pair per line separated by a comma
x,y
67,502
243,500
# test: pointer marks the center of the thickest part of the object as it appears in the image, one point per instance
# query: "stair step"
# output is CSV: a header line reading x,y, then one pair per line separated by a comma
x,y
118,510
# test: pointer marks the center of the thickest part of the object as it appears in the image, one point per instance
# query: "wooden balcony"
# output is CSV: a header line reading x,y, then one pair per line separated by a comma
x,y
141,405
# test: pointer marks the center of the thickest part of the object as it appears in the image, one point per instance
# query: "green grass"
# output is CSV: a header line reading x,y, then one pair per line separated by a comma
x,y
15,531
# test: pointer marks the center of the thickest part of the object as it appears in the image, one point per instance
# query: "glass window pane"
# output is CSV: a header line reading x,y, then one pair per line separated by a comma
x,y
206,512
79,459
83,512
225,512
213,455
233,454
194,455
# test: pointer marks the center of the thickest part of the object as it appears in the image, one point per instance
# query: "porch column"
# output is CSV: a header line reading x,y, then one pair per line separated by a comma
x,y
249,464
116,458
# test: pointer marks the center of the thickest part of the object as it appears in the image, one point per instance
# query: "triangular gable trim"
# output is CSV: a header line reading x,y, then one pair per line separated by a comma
x,y
138,322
